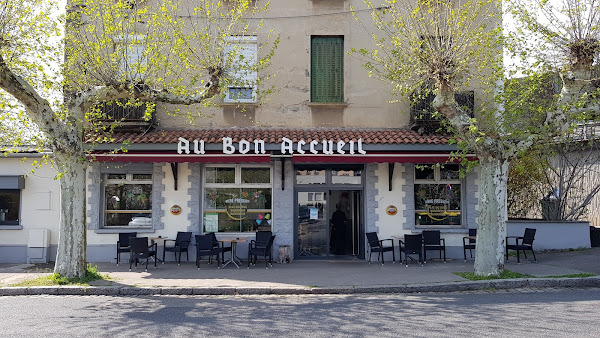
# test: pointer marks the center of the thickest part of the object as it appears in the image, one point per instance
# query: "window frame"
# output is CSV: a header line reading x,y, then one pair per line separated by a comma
x,y
133,64
14,224
438,180
251,77
236,185
130,181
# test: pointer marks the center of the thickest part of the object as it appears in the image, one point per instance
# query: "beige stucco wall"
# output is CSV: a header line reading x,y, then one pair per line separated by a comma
x,y
296,21
40,200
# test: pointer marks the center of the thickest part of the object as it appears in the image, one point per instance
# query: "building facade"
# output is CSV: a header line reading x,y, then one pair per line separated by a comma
x,y
327,140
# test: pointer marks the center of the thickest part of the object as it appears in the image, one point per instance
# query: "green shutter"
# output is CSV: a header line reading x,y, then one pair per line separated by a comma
x,y
327,69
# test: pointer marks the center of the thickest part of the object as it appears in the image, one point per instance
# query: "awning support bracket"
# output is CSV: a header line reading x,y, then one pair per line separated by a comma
x,y
282,173
174,169
391,174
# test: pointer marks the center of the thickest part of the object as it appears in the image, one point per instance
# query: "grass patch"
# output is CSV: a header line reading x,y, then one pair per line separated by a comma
x,y
91,274
574,275
507,274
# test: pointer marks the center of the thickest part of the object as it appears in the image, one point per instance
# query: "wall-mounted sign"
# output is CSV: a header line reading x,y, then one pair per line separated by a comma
x,y
175,210
327,147
391,210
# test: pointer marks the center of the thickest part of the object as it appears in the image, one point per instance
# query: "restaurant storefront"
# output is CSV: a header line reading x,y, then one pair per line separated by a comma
x,y
318,191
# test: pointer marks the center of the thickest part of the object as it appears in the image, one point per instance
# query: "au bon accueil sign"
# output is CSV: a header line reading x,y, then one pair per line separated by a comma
x,y
329,147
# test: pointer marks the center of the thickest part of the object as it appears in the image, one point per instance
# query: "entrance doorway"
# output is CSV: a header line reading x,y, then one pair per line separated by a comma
x,y
329,223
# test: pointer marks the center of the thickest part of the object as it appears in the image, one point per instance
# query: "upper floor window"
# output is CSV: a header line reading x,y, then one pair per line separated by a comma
x,y
438,194
240,59
130,51
327,69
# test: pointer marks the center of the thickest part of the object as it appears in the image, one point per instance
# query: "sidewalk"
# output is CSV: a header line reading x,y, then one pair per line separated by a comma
x,y
314,276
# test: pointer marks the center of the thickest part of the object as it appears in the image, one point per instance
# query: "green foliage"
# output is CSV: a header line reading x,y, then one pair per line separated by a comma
x,y
507,274
525,178
424,42
554,33
30,45
91,274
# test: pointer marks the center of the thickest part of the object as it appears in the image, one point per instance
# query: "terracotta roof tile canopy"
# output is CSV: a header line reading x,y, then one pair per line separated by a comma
x,y
275,135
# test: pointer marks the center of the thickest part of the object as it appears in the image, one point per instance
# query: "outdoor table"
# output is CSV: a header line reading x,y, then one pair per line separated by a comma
x,y
158,238
234,258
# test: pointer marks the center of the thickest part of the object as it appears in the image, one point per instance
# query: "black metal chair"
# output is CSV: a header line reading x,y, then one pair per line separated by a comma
x,y
220,246
432,241
262,238
205,247
123,243
526,244
413,244
140,250
376,245
469,243
255,250
182,242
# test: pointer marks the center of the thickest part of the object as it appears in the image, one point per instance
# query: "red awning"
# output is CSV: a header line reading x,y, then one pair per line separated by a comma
x,y
266,158
171,157
373,158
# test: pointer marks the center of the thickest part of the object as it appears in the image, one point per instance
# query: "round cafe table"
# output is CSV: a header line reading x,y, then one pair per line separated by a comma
x,y
234,258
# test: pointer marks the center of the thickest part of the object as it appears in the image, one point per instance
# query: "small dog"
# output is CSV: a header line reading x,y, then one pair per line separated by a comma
x,y
284,254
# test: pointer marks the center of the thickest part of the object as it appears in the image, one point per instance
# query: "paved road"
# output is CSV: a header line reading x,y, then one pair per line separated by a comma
x,y
534,313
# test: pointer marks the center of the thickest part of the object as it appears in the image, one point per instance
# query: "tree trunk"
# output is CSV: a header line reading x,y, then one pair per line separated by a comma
x,y
71,253
491,221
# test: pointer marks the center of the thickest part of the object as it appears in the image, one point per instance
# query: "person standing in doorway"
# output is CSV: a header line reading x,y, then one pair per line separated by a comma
x,y
339,226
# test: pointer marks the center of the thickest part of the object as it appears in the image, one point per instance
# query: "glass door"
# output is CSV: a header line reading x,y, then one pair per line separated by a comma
x,y
313,223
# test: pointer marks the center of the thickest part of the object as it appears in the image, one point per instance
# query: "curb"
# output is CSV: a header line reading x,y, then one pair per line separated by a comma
x,y
343,290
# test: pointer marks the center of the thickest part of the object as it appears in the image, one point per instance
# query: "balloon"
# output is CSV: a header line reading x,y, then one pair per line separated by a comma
x,y
260,216
258,221
268,216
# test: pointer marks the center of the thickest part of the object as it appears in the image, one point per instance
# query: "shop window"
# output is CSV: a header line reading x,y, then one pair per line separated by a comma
x,y
310,176
242,203
438,191
327,69
10,203
128,200
346,176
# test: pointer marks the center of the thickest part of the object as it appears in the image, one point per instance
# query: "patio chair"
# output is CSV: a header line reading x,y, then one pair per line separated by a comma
x,y
123,243
262,238
140,250
205,247
413,244
526,244
219,245
376,245
433,241
182,242
255,250
469,243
